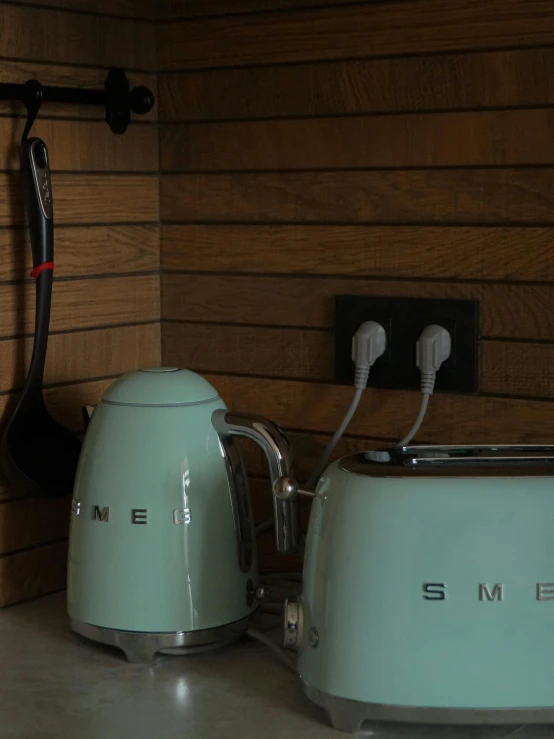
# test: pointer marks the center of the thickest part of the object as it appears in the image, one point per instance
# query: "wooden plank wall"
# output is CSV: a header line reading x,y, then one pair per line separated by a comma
x,y
402,148
105,317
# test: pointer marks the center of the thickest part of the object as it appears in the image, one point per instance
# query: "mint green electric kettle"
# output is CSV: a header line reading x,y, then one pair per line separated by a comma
x,y
162,552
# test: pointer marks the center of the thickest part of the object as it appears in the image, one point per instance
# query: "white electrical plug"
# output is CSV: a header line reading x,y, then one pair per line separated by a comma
x,y
433,348
368,344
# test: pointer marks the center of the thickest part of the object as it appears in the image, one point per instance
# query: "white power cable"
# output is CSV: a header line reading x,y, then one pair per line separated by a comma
x,y
419,420
324,459
433,348
326,456
266,641
368,344
264,526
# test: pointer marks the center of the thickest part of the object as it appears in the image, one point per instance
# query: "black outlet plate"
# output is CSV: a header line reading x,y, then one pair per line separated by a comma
x,y
404,319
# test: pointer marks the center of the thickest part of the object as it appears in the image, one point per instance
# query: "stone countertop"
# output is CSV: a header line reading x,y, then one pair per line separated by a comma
x,y
56,685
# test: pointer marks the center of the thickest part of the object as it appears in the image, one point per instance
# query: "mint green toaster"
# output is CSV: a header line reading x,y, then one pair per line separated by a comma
x,y
162,551
428,591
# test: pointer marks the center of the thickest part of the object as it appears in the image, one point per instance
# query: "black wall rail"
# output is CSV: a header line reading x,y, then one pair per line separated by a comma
x,y
117,98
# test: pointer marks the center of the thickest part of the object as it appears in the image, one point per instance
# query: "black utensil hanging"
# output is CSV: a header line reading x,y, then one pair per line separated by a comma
x,y
39,456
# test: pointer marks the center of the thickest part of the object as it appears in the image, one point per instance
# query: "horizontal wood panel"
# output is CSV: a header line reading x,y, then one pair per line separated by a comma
x,y
82,303
415,140
85,145
507,368
510,368
272,352
476,80
362,251
83,251
476,196
30,574
507,311
191,9
84,355
87,199
369,30
451,419
126,8
30,522
50,74
76,38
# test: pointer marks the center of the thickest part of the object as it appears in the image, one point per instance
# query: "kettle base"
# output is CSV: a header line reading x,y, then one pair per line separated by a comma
x,y
349,715
141,647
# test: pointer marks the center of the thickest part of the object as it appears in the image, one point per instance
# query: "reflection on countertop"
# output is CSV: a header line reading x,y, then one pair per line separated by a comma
x,y
56,685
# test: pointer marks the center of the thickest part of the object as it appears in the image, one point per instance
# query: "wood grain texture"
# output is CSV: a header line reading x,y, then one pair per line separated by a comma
x,y
84,355
32,573
76,38
125,8
437,82
271,352
510,368
476,196
53,74
82,198
30,522
415,140
84,251
101,229
192,8
369,30
86,145
451,419
82,304
507,367
361,251
507,311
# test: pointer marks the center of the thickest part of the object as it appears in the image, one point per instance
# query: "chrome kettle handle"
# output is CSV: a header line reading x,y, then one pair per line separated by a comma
x,y
279,456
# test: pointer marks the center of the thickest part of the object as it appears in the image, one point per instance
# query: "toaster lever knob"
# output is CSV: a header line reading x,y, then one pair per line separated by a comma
x,y
293,624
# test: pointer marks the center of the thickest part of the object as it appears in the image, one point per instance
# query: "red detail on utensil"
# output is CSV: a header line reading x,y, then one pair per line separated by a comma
x,y
41,267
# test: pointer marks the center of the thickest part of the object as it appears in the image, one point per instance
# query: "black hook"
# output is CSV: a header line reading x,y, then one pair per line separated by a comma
x,y
32,100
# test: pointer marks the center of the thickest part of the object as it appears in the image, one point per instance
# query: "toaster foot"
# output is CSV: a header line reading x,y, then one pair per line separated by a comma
x,y
349,715
141,647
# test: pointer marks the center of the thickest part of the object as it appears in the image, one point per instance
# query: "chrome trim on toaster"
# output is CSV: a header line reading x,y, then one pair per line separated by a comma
x,y
349,715
423,457
141,646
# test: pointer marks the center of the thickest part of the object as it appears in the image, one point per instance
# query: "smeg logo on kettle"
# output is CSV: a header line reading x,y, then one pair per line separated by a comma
x,y
140,516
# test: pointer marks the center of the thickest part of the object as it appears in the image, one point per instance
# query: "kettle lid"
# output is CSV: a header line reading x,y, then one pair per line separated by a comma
x,y
159,386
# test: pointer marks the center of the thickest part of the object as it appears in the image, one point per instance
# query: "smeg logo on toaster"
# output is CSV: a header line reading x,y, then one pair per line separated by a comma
x,y
437,591
137,516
